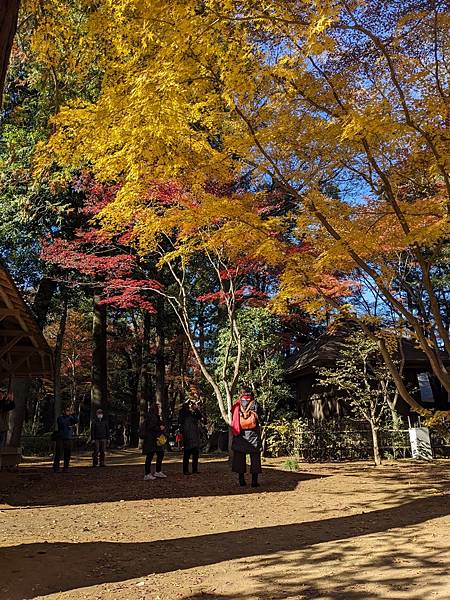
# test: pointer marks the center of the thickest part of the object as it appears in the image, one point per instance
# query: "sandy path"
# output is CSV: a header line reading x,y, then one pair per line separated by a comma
x,y
347,532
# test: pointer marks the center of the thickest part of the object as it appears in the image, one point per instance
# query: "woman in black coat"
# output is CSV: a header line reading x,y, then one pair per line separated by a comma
x,y
150,432
246,440
189,420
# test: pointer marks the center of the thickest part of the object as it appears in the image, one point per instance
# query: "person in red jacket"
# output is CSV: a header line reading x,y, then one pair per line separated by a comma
x,y
246,429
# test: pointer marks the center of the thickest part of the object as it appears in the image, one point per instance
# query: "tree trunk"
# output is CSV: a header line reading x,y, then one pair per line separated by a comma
x,y
36,416
23,388
160,363
133,385
134,418
21,391
9,12
99,373
145,380
57,360
376,447
42,299
146,376
183,357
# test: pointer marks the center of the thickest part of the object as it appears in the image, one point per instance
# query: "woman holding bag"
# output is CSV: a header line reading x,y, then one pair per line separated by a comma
x,y
246,429
154,442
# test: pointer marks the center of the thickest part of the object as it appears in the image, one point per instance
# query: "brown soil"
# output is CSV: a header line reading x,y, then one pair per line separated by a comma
x,y
339,532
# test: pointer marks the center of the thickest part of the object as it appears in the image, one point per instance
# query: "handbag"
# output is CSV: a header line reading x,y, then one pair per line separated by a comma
x,y
248,419
56,435
161,440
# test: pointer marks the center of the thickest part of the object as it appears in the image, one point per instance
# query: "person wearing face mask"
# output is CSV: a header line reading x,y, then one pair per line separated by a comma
x,y
99,437
246,429
64,438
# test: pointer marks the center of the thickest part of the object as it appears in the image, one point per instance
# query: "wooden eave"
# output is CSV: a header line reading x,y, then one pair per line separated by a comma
x,y
24,351
326,349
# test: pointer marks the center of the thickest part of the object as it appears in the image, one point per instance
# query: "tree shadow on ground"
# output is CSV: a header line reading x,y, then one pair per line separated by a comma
x,y
385,486
40,487
69,566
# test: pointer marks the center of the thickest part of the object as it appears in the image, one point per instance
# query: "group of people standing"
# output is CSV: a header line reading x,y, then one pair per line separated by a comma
x,y
152,433
65,433
245,428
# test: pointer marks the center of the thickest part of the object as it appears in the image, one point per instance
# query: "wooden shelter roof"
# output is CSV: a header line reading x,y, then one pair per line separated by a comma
x,y
323,352
24,351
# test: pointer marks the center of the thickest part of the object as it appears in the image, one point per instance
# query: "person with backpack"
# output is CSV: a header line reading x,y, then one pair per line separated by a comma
x,y
151,432
63,438
189,420
246,430
99,437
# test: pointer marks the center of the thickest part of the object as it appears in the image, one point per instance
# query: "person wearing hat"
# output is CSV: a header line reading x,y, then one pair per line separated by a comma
x,y
99,437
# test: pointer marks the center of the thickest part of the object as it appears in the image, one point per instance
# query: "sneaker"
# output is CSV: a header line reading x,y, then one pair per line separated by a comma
x,y
160,474
149,477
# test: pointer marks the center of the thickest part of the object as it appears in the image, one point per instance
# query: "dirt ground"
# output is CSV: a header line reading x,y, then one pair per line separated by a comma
x,y
333,531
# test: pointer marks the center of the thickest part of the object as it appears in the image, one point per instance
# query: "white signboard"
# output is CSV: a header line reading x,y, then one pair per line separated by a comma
x,y
426,392
420,443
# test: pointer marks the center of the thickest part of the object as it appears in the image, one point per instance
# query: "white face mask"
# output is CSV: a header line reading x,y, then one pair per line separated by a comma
x,y
100,417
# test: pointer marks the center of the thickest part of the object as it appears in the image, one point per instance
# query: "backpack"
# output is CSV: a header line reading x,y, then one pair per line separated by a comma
x,y
248,419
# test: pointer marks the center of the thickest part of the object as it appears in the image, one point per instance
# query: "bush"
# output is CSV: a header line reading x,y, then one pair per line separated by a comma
x,y
37,445
291,464
42,445
281,437
332,440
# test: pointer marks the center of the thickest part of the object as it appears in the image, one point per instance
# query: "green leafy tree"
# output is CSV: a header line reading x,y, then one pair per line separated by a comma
x,y
362,379
262,358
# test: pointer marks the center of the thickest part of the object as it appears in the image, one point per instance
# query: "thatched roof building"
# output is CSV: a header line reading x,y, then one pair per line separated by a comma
x,y
301,371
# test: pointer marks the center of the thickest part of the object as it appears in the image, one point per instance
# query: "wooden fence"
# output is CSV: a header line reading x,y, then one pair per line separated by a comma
x,y
339,440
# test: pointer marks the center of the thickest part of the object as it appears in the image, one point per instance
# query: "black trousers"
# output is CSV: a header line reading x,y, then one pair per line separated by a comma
x,y
63,449
188,452
159,460
99,449
239,464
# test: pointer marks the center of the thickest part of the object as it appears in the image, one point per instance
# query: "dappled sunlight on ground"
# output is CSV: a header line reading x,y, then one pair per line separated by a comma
x,y
335,531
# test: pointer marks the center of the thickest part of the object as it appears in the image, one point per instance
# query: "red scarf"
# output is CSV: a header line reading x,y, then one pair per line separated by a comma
x,y
235,414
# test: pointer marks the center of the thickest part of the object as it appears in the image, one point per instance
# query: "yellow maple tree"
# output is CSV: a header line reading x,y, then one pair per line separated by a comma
x,y
342,106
